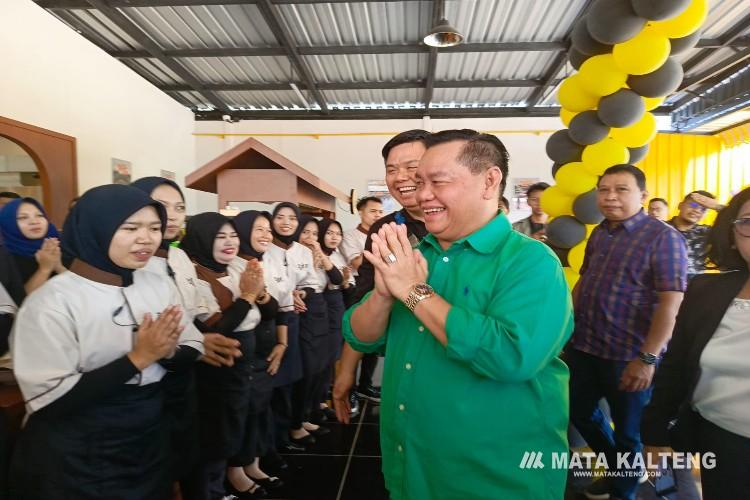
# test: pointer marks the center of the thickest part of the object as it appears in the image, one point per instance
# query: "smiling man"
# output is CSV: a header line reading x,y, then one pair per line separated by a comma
x,y
632,280
401,155
473,320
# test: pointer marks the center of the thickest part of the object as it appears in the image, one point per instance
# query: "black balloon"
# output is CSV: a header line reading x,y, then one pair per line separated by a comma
x,y
565,232
562,149
583,43
659,10
555,167
586,128
659,83
637,154
680,45
586,209
576,58
613,21
621,109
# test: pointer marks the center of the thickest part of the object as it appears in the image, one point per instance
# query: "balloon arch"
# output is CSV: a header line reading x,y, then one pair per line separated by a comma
x,y
622,51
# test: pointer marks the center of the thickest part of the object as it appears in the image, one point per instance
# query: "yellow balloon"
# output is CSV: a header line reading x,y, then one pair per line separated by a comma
x,y
653,102
571,277
575,256
601,76
642,54
600,156
574,179
636,135
573,97
686,23
567,115
557,202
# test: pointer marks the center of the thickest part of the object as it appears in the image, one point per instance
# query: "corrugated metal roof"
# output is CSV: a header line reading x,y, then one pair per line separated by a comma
x,y
513,21
368,67
724,122
723,14
250,69
493,65
267,99
154,71
207,27
361,23
488,95
388,98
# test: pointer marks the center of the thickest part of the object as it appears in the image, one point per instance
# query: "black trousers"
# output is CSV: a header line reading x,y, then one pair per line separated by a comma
x,y
730,478
367,369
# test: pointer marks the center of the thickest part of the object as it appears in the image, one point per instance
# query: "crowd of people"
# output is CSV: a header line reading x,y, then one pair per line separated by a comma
x,y
156,354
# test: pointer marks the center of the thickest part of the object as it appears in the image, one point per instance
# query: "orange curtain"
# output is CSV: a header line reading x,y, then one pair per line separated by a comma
x,y
680,163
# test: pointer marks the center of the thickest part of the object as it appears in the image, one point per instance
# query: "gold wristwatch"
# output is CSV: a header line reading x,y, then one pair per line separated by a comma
x,y
418,293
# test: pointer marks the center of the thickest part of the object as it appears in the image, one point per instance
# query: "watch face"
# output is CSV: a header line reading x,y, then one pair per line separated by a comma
x,y
423,289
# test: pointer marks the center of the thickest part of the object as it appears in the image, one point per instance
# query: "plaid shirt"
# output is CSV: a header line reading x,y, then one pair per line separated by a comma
x,y
623,270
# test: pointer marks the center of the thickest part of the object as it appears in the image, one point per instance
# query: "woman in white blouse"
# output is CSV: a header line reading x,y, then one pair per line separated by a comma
x,y
704,380
224,392
89,349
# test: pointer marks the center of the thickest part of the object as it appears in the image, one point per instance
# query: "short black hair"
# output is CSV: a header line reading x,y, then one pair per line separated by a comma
x,y
661,200
721,250
625,168
701,192
538,186
9,194
362,203
414,135
505,202
480,152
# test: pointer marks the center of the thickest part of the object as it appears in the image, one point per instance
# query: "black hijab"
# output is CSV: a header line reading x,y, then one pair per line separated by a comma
x,y
147,185
244,221
92,222
323,226
304,221
287,240
200,235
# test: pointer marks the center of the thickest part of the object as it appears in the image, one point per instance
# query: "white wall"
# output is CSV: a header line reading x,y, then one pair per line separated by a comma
x,y
54,78
350,155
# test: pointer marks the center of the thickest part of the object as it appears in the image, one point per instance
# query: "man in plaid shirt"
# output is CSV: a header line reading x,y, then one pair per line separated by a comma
x,y
632,281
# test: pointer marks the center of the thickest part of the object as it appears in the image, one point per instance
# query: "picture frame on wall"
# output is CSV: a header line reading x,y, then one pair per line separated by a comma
x,y
520,185
121,171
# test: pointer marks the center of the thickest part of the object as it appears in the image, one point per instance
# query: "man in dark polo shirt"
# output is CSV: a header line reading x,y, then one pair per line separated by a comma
x,y
632,280
401,155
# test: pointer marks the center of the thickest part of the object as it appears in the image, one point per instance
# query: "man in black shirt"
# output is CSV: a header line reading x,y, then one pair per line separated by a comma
x,y
535,224
401,155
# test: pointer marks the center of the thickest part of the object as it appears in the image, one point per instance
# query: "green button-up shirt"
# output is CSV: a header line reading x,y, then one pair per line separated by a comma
x,y
456,420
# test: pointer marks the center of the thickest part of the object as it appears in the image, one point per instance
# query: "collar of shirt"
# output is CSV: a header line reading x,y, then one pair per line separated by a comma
x,y
630,224
484,240
697,228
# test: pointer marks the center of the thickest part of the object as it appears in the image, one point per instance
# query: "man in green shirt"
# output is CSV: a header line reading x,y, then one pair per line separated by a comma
x,y
472,322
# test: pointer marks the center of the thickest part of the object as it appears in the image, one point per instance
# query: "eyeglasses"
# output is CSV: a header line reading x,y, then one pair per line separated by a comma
x,y
697,206
742,226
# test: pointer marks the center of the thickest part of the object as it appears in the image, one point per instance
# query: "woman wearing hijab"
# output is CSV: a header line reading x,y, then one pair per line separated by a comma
x,y
32,240
88,350
254,230
288,262
329,239
172,263
212,243
315,343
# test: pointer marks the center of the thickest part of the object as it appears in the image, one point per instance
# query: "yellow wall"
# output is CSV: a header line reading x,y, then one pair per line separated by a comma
x,y
678,164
